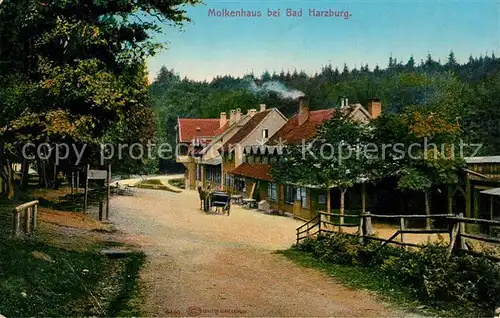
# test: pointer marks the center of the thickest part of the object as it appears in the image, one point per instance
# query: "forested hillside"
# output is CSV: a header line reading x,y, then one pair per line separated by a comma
x,y
468,93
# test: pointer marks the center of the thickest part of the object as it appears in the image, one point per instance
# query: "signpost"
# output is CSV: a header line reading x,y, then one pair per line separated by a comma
x,y
98,175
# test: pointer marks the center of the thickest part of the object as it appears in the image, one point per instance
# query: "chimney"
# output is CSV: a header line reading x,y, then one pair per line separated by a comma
x,y
252,112
232,117
303,110
223,119
375,108
238,115
262,107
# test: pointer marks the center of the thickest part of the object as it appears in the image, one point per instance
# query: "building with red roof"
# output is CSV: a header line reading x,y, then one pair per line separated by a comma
x,y
302,202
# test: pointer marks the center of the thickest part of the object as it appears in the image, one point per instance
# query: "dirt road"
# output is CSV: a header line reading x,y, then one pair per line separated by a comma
x,y
214,265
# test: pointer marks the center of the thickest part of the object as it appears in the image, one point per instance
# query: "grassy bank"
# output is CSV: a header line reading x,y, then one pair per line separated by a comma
x,y
422,281
155,184
61,272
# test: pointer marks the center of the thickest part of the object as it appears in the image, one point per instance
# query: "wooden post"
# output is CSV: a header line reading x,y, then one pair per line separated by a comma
x,y
467,196
34,217
427,210
27,220
363,197
476,203
450,199
342,208
461,230
454,234
361,230
109,192
72,182
368,224
319,224
16,217
101,208
77,181
401,228
86,189
328,201
491,213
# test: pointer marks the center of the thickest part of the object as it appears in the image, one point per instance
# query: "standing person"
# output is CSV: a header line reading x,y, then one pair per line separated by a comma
x,y
208,194
202,197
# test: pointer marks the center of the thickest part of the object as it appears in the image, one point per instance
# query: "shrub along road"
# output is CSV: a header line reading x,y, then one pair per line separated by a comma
x,y
214,265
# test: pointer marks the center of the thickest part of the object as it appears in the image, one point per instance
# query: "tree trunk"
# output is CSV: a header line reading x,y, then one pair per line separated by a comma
x,y
42,173
25,174
427,210
8,177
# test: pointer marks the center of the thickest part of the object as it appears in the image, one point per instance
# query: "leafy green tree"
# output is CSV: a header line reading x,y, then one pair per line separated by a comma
x,y
79,66
333,159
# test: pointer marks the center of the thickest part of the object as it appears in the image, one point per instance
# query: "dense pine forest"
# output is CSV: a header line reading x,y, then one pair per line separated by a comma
x,y
467,94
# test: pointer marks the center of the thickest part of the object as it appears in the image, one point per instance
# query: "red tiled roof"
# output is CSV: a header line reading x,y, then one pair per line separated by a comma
x,y
188,128
255,171
246,129
221,129
292,133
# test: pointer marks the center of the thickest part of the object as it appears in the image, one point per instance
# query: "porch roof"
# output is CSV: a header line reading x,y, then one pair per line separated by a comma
x,y
487,159
255,171
494,191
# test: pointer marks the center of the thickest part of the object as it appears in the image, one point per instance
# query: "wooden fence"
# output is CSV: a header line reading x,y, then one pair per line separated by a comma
x,y
453,225
28,212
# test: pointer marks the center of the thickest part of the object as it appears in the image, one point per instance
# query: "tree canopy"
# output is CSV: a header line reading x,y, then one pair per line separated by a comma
x,y
74,72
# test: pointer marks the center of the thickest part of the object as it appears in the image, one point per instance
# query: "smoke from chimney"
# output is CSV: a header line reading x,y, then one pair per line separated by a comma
x,y
277,87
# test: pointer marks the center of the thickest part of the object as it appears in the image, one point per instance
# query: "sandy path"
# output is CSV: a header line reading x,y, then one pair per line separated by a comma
x,y
213,265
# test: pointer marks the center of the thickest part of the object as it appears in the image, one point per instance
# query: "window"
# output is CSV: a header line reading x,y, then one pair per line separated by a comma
x,y
302,196
322,198
214,173
265,133
290,194
272,192
239,184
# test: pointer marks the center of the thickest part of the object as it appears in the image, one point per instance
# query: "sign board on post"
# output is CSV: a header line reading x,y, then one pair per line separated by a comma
x,y
97,174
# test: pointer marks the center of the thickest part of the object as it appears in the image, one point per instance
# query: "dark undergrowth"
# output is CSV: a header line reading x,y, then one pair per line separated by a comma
x,y
422,280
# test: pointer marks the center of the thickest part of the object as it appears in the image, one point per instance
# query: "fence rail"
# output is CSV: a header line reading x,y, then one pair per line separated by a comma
x,y
454,226
27,211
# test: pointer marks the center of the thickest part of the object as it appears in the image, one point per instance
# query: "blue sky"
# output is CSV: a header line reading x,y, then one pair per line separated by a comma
x,y
211,46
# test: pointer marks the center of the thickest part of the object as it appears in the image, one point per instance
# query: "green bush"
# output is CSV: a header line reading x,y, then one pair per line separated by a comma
x,y
472,282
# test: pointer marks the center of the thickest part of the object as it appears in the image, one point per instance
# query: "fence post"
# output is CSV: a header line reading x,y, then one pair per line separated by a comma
x,y
454,235
401,228
361,227
461,230
27,220
297,236
16,222
319,224
101,208
368,224
34,217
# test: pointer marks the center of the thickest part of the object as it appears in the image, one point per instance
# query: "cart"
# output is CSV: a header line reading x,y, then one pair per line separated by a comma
x,y
221,201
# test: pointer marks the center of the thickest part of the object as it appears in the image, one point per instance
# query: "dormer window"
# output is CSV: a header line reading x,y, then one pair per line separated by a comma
x,y
265,133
